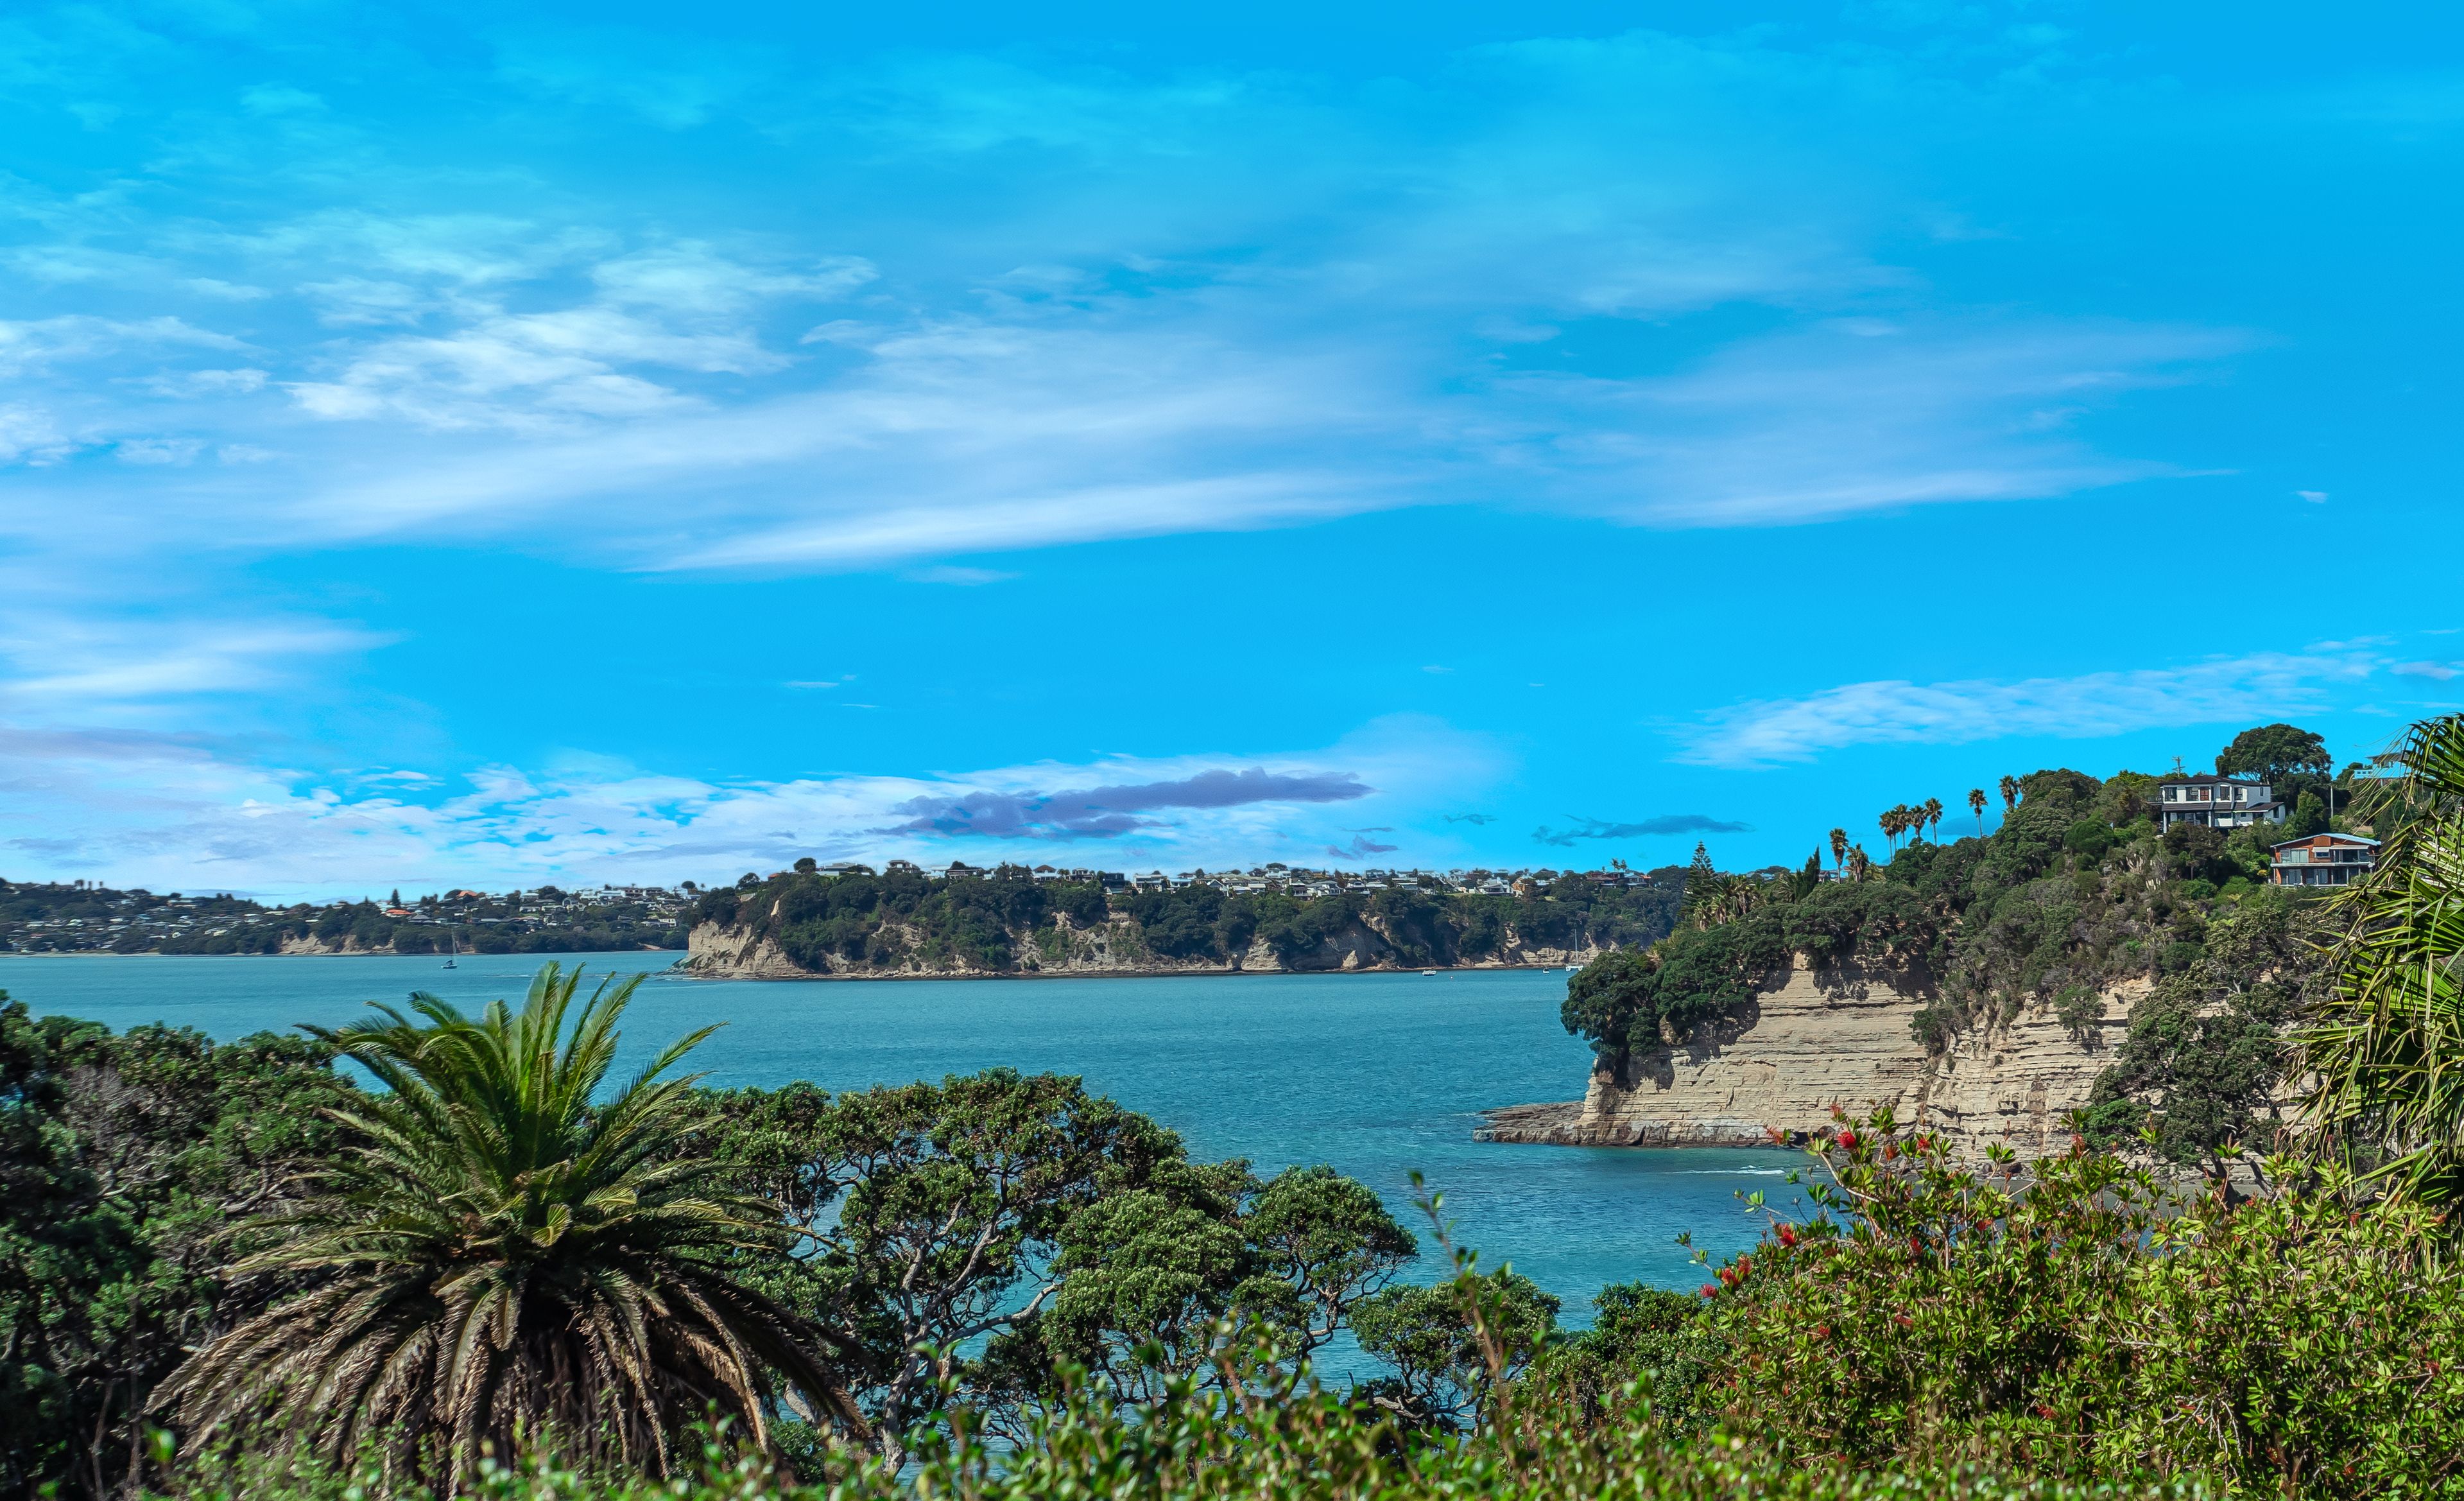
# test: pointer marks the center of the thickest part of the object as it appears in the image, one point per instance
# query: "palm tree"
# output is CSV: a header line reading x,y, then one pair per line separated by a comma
x,y
500,1258
1890,824
1840,849
2385,1042
1859,862
1976,806
1733,896
2010,793
1933,816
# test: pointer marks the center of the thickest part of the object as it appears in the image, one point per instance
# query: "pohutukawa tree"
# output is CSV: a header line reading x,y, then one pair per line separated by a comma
x,y
499,1256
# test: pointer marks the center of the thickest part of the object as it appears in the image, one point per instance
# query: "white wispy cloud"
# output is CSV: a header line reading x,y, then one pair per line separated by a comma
x,y
56,663
177,812
1091,362
29,344
1844,419
1771,732
956,437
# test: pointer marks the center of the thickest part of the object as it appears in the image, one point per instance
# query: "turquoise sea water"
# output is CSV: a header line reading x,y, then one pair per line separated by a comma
x,y
1379,1074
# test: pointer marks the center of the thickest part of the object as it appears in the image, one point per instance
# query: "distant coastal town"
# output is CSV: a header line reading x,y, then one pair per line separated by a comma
x,y
87,918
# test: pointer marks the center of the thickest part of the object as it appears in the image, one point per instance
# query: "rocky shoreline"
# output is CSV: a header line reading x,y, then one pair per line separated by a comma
x,y
1109,949
1842,1038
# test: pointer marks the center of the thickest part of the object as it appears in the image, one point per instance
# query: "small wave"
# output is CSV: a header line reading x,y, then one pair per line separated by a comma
x,y
1732,1172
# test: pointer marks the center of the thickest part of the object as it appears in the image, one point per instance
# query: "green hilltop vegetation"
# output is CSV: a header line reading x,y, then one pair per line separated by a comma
x,y
230,1272
52,918
1004,920
2075,893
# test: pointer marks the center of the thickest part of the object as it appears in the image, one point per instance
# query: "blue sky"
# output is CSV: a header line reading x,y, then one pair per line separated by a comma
x,y
459,444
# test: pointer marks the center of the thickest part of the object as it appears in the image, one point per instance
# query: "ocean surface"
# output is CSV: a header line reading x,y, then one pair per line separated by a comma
x,y
1379,1074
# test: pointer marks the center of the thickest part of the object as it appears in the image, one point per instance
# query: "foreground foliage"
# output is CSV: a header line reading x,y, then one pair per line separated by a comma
x,y
121,1161
2386,1042
2078,1321
970,1241
492,1256
2071,1330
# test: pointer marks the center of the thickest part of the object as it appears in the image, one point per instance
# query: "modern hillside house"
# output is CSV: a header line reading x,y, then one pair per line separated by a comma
x,y
2218,801
2323,860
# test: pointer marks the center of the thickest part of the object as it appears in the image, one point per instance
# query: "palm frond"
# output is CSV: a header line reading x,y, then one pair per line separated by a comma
x,y
2385,1044
497,1254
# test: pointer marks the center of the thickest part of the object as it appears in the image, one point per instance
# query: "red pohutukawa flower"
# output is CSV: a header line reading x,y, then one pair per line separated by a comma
x,y
1848,1140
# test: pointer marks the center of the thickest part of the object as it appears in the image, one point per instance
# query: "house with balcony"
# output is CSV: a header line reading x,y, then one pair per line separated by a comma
x,y
2218,801
2321,860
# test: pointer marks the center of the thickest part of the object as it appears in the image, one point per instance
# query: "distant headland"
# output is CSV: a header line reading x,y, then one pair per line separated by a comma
x,y
851,920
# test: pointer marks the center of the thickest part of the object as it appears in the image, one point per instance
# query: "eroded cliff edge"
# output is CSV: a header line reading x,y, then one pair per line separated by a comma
x,y
1837,1036
1113,947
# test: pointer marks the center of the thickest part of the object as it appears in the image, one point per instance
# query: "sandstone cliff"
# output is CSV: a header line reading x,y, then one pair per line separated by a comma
x,y
1112,947
1836,1037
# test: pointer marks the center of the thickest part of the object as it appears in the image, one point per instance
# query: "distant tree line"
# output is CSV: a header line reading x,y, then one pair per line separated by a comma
x,y
1005,920
51,918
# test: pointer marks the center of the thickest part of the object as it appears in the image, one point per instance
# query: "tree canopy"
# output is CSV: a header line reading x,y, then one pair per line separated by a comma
x,y
2276,753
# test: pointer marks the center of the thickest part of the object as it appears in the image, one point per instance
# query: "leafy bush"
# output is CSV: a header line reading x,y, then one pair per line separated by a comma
x,y
1254,1431
2089,838
2081,1009
122,1158
1630,1000
2082,1322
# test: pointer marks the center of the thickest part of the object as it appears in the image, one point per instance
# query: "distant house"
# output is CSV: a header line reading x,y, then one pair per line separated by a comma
x,y
2218,801
2321,860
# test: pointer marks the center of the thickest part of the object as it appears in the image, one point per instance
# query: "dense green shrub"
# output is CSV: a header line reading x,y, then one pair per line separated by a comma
x,y
1255,1433
2079,1321
121,1159
2089,838
1629,999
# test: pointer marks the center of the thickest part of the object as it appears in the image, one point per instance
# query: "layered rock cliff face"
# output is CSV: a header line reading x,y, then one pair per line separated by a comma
x,y
1837,1037
1113,947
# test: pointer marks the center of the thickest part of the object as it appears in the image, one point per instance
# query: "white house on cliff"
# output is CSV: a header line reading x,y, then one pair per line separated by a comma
x,y
2219,801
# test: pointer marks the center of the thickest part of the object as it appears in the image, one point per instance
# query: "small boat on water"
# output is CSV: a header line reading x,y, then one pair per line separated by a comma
x,y
449,963
1428,972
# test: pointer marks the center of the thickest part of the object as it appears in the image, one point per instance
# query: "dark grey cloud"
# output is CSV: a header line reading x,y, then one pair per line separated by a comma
x,y
1475,819
1361,848
1665,824
1108,812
